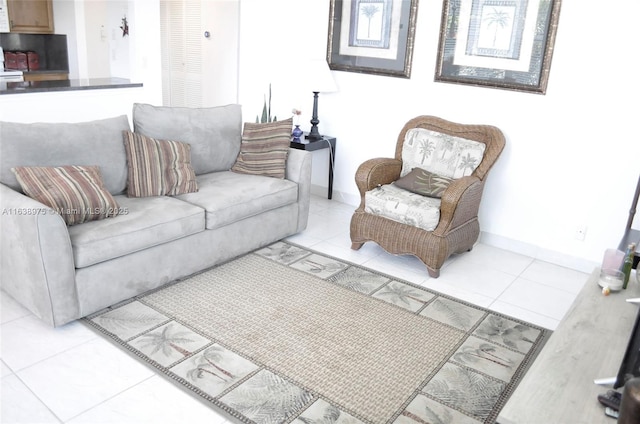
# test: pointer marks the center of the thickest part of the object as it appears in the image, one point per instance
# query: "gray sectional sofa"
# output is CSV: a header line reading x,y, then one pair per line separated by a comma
x,y
62,273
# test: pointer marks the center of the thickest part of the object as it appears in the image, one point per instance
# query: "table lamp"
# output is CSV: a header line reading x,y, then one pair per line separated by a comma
x,y
320,80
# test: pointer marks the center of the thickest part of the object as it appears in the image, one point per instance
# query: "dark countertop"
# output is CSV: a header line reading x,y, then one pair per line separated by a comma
x,y
66,85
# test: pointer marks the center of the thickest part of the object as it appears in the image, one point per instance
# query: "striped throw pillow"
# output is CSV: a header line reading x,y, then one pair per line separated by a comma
x,y
158,167
77,193
264,149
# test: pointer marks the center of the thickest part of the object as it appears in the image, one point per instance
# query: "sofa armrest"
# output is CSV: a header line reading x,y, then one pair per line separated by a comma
x,y
37,259
375,172
459,204
299,171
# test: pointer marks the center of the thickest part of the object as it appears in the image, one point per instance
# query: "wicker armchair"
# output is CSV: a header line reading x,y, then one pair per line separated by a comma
x,y
457,229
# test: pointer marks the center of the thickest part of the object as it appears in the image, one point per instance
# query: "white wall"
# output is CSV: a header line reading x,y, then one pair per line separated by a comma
x,y
144,48
97,38
572,156
70,106
220,51
97,48
119,46
64,22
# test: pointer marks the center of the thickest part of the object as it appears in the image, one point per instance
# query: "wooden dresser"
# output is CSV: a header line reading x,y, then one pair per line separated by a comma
x,y
588,344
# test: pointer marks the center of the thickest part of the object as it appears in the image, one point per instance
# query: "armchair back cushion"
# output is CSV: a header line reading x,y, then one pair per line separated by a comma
x,y
440,153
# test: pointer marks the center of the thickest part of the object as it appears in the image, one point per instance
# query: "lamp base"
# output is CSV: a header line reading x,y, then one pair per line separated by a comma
x,y
313,136
313,133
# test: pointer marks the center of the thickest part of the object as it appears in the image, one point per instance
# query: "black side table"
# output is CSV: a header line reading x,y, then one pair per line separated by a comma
x,y
326,142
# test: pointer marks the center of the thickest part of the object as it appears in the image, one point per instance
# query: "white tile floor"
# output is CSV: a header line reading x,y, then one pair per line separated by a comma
x,y
71,375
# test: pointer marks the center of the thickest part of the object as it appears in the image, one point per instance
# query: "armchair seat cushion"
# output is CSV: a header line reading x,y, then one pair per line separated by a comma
x,y
397,204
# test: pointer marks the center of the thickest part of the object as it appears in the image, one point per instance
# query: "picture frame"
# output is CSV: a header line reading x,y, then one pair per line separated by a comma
x,y
505,44
372,36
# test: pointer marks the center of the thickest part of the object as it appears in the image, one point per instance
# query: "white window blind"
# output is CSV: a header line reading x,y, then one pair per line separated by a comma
x,y
181,38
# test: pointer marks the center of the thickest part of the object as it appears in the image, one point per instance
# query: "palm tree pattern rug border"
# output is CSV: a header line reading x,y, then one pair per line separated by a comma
x,y
289,335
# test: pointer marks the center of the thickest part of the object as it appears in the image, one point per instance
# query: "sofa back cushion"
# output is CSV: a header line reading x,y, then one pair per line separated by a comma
x,y
214,133
93,143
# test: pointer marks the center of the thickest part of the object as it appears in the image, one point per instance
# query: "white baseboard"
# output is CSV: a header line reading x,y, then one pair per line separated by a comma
x,y
536,252
338,196
501,242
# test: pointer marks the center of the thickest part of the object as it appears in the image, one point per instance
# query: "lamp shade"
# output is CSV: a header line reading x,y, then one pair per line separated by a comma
x,y
318,76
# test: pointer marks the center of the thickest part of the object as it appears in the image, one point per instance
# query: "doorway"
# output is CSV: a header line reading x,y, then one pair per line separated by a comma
x,y
199,52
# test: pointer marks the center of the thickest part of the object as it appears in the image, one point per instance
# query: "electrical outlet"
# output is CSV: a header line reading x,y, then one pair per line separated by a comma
x,y
580,233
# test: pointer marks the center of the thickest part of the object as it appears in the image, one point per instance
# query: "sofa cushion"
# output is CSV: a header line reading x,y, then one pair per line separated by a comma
x,y
421,181
91,143
77,193
213,133
142,223
403,206
264,149
158,167
228,197
440,153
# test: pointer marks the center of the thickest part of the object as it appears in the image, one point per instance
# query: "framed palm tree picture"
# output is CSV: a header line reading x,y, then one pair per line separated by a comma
x,y
372,36
497,43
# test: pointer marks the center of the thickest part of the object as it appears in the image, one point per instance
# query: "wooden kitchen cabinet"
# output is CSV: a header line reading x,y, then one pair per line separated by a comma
x,y
45,76
31,16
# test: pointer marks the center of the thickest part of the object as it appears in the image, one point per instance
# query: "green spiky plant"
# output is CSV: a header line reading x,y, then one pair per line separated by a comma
x,y
266,111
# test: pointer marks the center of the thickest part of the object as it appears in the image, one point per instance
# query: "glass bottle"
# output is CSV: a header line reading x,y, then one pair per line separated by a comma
x,y
628,263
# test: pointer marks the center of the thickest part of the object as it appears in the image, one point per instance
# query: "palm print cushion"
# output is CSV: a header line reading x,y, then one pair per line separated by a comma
x,y
442,154
403,206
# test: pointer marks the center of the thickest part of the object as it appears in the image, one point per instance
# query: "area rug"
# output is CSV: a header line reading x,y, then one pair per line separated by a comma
x,y
288,335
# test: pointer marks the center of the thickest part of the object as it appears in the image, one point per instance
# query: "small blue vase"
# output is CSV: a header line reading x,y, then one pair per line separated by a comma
x,y
297,133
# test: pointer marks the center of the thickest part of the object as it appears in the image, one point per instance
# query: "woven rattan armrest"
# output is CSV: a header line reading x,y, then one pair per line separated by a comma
x,y
460,203
378,171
